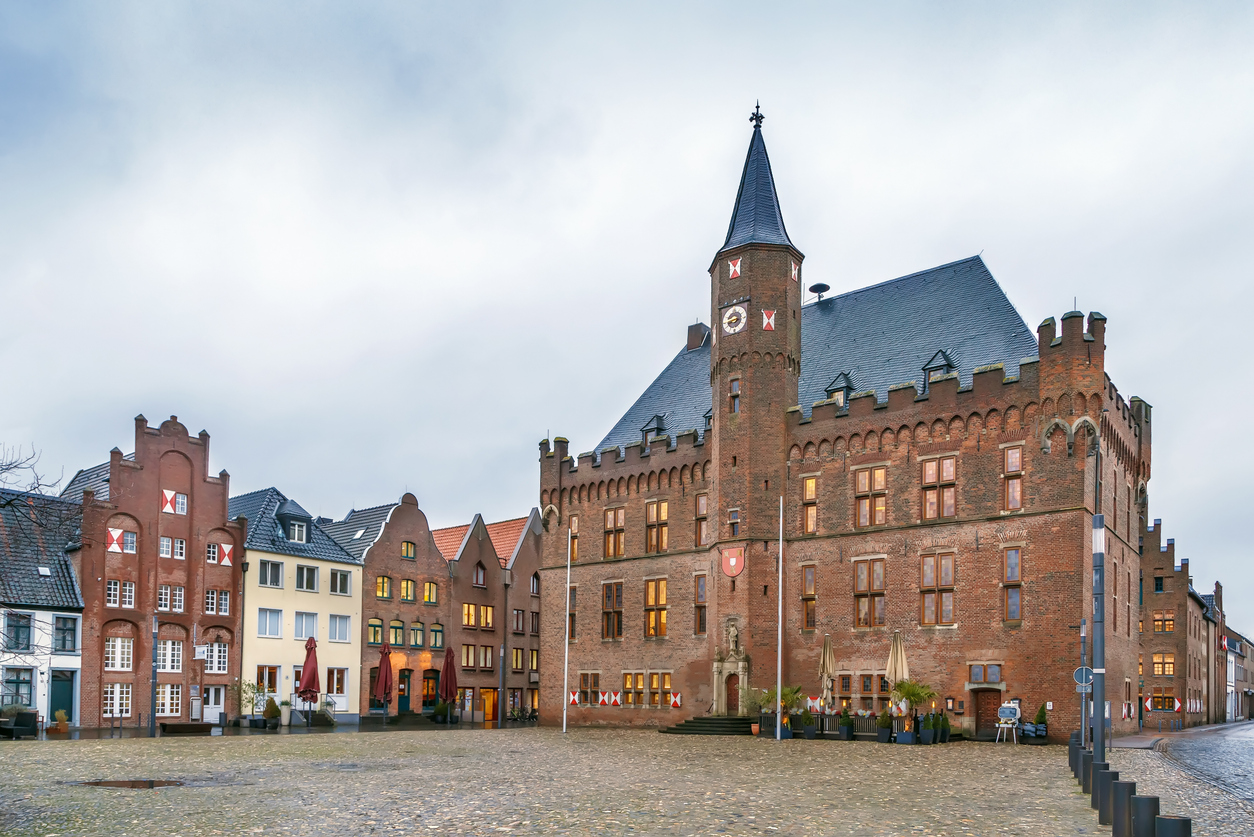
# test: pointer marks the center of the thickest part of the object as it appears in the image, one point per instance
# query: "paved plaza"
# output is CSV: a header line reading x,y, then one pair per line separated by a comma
x,y
535,780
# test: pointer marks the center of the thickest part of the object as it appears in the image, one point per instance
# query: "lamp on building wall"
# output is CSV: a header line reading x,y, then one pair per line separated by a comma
x,y
949,704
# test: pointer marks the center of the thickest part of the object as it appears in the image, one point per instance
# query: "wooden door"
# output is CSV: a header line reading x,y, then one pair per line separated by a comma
x,y
488,696
402,690
987,702
733,694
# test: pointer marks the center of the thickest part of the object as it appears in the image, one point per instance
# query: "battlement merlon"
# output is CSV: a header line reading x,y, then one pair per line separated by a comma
x,y
662,451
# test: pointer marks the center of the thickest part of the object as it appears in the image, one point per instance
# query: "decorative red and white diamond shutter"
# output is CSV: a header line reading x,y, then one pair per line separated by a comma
x,y
616,698
574,698
794,271
167,501
225,552
113,541
1149,704
603,698
675,700
733,269
768,320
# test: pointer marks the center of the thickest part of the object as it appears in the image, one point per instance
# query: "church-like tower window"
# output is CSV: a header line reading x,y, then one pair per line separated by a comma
x,y
703,523
655,516
615,532
733,399
733,520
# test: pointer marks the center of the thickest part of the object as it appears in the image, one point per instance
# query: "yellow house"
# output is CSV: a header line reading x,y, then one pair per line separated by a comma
x,y
298,583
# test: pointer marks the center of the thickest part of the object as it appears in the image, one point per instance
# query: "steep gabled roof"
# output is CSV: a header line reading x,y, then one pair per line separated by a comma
x,y
36,532
449,541
266,534
95,479
756,217
881,335
360,528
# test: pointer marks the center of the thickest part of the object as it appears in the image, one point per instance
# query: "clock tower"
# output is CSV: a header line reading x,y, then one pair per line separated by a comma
x,y
755,301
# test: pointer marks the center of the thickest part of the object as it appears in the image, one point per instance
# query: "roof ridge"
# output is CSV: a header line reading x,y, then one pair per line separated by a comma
x,y
917,273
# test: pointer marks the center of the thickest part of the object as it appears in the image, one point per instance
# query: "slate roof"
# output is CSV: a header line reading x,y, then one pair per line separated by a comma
x,y
95,478
881,335
756,217
367,521
266,534
26,545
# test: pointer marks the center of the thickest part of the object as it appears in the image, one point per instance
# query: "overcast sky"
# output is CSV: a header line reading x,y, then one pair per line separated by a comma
x,y
382,248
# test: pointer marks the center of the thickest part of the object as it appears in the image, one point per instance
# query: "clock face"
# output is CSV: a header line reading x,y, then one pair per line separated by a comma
x,y
734,319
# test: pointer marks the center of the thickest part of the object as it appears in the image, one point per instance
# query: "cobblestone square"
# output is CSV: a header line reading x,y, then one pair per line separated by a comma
x,y
589,782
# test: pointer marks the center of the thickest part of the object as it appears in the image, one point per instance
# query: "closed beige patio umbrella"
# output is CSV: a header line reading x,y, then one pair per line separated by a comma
x,y
897,669
827,669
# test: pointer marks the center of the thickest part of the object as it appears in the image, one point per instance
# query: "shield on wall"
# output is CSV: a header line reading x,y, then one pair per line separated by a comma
x,y
733,561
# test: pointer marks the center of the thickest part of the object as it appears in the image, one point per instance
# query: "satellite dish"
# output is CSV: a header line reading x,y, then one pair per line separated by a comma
x,y
820,288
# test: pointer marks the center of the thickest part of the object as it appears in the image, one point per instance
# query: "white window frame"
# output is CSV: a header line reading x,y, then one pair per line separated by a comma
x,y
119,653
264,572
130,542
169,699
128,594
303,572
116,700
180,549
163,597
113,596
211,602
216,658
176,599
298,531
346,622
165,547
265,612
211,553
170,655
344,578
180,504
224,602
301,625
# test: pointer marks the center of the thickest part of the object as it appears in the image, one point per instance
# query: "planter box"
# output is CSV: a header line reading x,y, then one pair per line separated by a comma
x,y
905,737
884,735
257,723
926,736
809,732
944,736
845,733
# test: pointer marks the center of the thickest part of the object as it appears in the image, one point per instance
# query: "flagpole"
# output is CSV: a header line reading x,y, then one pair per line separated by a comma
x,y
779,634
566,663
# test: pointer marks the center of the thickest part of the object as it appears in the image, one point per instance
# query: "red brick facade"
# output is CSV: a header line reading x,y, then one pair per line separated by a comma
x,y
163,500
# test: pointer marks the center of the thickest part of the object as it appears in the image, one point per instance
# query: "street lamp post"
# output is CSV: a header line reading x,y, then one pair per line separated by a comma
x,y
1099,636
152,704
1084,699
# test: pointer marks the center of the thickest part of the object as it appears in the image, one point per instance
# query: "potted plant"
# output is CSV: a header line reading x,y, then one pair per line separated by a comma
x,y
751,705
944,729
808,727
271,714
928,730
915,694
844,725
884,727
63,720
790,698
1040,722
285,712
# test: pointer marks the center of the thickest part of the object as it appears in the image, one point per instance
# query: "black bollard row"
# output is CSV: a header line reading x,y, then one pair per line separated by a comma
x,y
1117,802
1105,780
1095,772
1121,808
1144,812
1173,826
1086,765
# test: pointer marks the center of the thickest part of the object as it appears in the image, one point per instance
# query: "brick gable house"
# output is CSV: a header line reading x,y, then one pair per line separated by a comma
x,y
937,465
157,543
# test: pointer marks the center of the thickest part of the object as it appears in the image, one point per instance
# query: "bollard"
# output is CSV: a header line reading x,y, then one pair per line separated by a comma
x,y
1144,812
1094,772
1086,765
1104,781
1173,826
1121,808
1071,756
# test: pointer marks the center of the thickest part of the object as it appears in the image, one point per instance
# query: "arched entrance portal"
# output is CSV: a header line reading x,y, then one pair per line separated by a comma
x,y
733,694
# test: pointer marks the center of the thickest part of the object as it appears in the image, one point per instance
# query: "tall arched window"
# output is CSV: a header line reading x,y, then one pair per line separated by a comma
x,y
437,635
535,584
396,636
481,576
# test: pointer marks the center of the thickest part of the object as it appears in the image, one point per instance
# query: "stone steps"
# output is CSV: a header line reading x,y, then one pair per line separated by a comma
x,y
711,725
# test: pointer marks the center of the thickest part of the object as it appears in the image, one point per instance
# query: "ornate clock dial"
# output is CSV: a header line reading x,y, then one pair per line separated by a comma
x,y
734,319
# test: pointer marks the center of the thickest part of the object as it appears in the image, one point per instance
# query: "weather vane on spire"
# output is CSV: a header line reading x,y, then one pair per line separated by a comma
x,y
756,117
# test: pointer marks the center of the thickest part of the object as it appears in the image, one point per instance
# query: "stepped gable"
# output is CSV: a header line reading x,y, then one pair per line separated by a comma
x,y
449,541
94,479
27,545
359,529
881,336
266,534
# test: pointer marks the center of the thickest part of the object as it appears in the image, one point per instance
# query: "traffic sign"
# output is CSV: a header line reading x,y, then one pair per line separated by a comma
x,y
1084,688
1083,675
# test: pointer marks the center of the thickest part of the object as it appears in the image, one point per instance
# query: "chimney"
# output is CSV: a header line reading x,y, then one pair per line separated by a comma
x,y
698,333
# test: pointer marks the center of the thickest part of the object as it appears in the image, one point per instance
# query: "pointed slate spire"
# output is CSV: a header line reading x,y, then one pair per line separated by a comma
x,y
756,218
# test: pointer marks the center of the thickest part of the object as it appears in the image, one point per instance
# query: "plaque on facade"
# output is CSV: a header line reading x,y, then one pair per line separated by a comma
x,y
733,561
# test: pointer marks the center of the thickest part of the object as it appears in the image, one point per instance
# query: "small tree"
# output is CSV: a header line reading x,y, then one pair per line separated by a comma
x,y
250,696
914,693
885,719
750,700
271,711
1040,715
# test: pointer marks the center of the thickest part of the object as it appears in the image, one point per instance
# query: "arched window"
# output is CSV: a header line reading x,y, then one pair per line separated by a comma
x,y
374,632
383,587
437,635
408,550
535,584
417,637
481,576
430,593
396,636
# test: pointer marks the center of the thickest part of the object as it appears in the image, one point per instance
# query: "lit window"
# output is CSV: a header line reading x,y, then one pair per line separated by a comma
x,y
868,588
430,592
396,633
871,486
408,590
374,632
417,634
383,587
468,615
808,601
486,617
810,506
655,516
655,607
436,635
615,533
574,537
408,550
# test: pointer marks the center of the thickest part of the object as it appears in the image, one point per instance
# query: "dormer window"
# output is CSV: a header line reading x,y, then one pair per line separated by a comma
x,y
655,427
294,522
839,390
938,367
709,419
297,532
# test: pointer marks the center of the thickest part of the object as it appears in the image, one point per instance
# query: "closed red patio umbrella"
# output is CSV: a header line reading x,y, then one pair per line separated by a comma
x,y
383,683
308,687
448,677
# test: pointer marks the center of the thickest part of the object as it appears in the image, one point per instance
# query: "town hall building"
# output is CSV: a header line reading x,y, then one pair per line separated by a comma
x,y
932,465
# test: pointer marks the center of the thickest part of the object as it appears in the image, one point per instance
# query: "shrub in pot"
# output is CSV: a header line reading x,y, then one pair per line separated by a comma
x,y
271,714
884,727
1040,721
944,729
63,720
808,727
928,731
844,725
